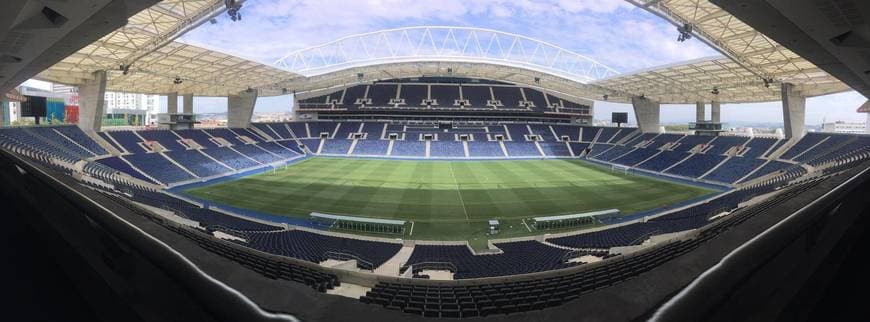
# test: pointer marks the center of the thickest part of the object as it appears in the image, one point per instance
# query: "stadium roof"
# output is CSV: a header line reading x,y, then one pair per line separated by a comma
x,y
147,45
692,81
443,51
757,55
446,44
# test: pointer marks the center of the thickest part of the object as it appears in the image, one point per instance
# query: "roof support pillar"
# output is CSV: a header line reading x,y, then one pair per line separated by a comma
x,y
241,108
92,102
188,103
715,112
4,112
647,112
793,111
700,112
172,103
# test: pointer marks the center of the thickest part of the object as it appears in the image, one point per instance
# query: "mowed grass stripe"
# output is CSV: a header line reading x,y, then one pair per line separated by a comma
x,y
425,191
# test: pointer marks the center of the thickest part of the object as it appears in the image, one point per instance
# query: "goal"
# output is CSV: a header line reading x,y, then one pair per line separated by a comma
x,y
619,168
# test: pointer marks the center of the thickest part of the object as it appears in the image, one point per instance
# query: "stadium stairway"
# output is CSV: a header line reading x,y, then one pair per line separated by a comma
x,y
262,133
392,267
778,152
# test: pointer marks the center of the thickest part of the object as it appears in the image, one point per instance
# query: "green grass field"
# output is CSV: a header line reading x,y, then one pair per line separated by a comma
x,y
446,200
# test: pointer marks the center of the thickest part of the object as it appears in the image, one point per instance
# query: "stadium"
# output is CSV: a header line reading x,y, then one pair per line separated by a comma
x,y
433,172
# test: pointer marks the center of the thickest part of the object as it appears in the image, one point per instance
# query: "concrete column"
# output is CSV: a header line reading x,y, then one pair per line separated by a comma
x,y
92,102
793,111
715,112
172,103
4,112
241,108
188,103
700,113
647,113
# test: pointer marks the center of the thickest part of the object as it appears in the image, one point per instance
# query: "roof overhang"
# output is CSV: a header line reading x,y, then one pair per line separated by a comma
x,y
751,71
147,45
762,59
713,79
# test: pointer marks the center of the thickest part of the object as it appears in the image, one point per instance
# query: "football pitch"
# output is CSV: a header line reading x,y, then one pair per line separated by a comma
x,y
446,200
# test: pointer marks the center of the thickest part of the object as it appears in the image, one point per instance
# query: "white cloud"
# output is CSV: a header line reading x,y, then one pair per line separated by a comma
x,y
613,32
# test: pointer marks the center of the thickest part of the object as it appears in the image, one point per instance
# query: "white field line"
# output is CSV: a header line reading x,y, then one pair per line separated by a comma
x,y
527,226
453,174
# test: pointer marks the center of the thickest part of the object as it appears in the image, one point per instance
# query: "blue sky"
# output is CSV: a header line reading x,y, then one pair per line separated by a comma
x,y
611,31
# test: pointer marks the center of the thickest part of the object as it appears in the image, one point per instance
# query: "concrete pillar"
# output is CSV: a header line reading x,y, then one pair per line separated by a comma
x,y
647,113
172,103
92,102
4,112
715,112
241,108
700,113
188,103
793,111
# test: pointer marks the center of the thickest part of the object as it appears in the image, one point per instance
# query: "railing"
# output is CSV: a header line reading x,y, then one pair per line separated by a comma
x,y
346,256
641,238
435,266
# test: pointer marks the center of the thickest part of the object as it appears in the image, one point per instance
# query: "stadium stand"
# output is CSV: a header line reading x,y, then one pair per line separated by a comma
x,y
197,163
198,136
336,146
734,169
165,137
157,166
521,149
516,258
371,147
697,165
485,149
316,248
446,149
231,158
254,152
404,148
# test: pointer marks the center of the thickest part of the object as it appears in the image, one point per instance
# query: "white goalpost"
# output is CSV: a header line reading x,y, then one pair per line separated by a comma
x,y
619,168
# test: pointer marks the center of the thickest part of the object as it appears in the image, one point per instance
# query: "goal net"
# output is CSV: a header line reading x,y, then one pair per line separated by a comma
x,y
619,168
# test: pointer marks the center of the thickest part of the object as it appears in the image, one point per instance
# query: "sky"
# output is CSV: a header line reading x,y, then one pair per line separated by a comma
x,y
612,32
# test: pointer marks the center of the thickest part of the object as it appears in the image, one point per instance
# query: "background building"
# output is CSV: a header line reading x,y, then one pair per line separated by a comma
x,y
844,127
131,109
121,108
